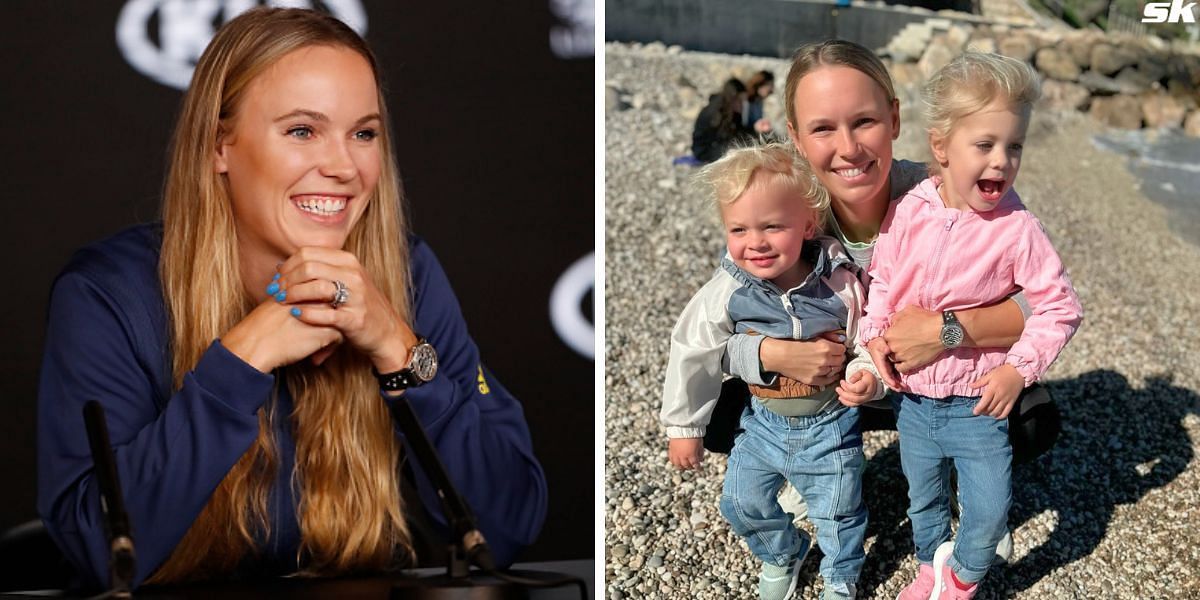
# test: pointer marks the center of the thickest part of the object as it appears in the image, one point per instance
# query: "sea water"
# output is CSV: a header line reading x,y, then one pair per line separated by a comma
x,y
1167,165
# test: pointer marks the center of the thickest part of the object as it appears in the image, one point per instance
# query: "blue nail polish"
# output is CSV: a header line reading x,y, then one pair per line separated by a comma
x,y
273,288
276,277
295,312
281,296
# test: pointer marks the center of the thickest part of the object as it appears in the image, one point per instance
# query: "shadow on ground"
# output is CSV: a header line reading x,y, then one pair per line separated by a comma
x,y
1102,459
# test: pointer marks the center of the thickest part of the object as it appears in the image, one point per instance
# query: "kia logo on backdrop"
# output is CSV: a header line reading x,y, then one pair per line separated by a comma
x,y
184,28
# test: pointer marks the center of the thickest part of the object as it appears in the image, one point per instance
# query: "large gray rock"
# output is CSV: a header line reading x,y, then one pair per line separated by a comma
x,y
1133,81
1162,110
1184,68
1057,64
1079,47
1064,95
1018,46
1099,84
1117,111
909,44
1046,38
1184,93
1180,84
982,44
1191,124
956,38
1153,66
1108,59
936,56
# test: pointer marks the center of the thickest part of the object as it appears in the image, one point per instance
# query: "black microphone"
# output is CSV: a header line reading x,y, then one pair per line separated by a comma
x,y
112,503
458,513
469,545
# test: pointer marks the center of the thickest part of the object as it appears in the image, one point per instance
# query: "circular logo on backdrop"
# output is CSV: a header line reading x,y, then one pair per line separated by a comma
x,y
566,306
163,39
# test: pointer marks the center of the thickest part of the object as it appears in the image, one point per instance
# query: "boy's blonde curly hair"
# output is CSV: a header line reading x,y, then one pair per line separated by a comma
x,y
725,180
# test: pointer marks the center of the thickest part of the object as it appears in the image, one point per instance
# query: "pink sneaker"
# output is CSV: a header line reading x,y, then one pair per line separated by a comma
x,y
943,580
921,588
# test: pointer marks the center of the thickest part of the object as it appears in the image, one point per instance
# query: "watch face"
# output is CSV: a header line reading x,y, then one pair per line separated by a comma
x,y
424,362
952,335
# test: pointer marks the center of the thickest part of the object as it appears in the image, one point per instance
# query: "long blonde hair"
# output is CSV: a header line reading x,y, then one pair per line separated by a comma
x,y
346,473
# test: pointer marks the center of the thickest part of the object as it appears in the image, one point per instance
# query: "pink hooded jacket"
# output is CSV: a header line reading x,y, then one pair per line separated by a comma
x,y
946,259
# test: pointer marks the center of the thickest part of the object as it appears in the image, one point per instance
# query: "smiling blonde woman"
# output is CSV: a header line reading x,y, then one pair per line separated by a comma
x,y
246,349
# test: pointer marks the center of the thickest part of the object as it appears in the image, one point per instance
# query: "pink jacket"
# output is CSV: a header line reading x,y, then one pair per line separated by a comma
x,y
945,259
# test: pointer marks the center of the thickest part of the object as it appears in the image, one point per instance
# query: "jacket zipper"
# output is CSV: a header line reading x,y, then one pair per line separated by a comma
x,y
787,304
932,271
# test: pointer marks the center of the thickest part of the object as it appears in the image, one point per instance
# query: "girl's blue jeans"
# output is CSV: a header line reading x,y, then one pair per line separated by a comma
x,y
821,455
935,432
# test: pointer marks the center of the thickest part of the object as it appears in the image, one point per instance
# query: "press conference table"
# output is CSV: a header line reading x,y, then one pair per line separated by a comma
x,y
365,588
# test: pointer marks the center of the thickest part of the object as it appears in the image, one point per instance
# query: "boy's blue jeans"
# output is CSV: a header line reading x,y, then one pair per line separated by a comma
x,y
934,432
821,455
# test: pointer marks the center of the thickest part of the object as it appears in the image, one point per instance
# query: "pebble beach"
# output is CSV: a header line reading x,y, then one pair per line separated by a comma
x,y
1112,511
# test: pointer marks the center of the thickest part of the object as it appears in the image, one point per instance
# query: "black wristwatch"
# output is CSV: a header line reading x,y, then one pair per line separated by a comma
x,y
952,331
422,366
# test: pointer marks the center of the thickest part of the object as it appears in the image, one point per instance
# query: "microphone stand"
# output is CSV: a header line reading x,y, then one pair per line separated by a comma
x,y
467,545
121,560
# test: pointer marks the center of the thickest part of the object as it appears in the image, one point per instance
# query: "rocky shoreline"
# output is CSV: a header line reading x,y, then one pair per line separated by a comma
x,y
1120,80
1113,511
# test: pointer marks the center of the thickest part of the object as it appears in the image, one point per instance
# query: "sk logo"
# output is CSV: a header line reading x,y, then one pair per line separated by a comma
x,y
1169,12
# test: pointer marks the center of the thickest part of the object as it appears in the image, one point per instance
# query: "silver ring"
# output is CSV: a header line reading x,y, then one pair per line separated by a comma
x,y
341,294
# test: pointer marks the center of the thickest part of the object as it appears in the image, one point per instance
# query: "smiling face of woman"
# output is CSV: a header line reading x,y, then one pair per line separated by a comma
x,y
844,125
302,153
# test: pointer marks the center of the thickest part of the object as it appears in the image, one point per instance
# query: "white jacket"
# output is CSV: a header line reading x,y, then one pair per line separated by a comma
x,y
698,363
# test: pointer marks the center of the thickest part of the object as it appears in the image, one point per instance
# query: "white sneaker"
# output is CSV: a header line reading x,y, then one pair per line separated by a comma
x,y
779,583
940,557
839,591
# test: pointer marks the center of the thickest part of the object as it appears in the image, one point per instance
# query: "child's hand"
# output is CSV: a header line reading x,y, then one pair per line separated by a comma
x,y
686,453
879,350
1001,387
858,388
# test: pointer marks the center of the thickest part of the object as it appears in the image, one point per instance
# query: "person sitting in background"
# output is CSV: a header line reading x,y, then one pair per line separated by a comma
x,y
246,349
758,88
720,123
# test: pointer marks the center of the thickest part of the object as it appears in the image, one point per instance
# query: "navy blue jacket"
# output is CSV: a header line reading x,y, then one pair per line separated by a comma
x,y
107,340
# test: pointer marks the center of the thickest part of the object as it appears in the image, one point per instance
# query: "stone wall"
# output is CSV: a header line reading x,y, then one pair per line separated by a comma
x,y
1122,81
761,27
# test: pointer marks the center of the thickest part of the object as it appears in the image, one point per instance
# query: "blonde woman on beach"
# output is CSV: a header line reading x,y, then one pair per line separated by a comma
x,y
247,348
961,239
843,115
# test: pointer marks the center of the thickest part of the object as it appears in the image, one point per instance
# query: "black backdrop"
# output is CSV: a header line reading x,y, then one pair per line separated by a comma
x,y
495,142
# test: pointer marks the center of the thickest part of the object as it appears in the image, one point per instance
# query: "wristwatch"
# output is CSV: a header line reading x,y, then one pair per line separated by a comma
x,y
952,331
422,366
